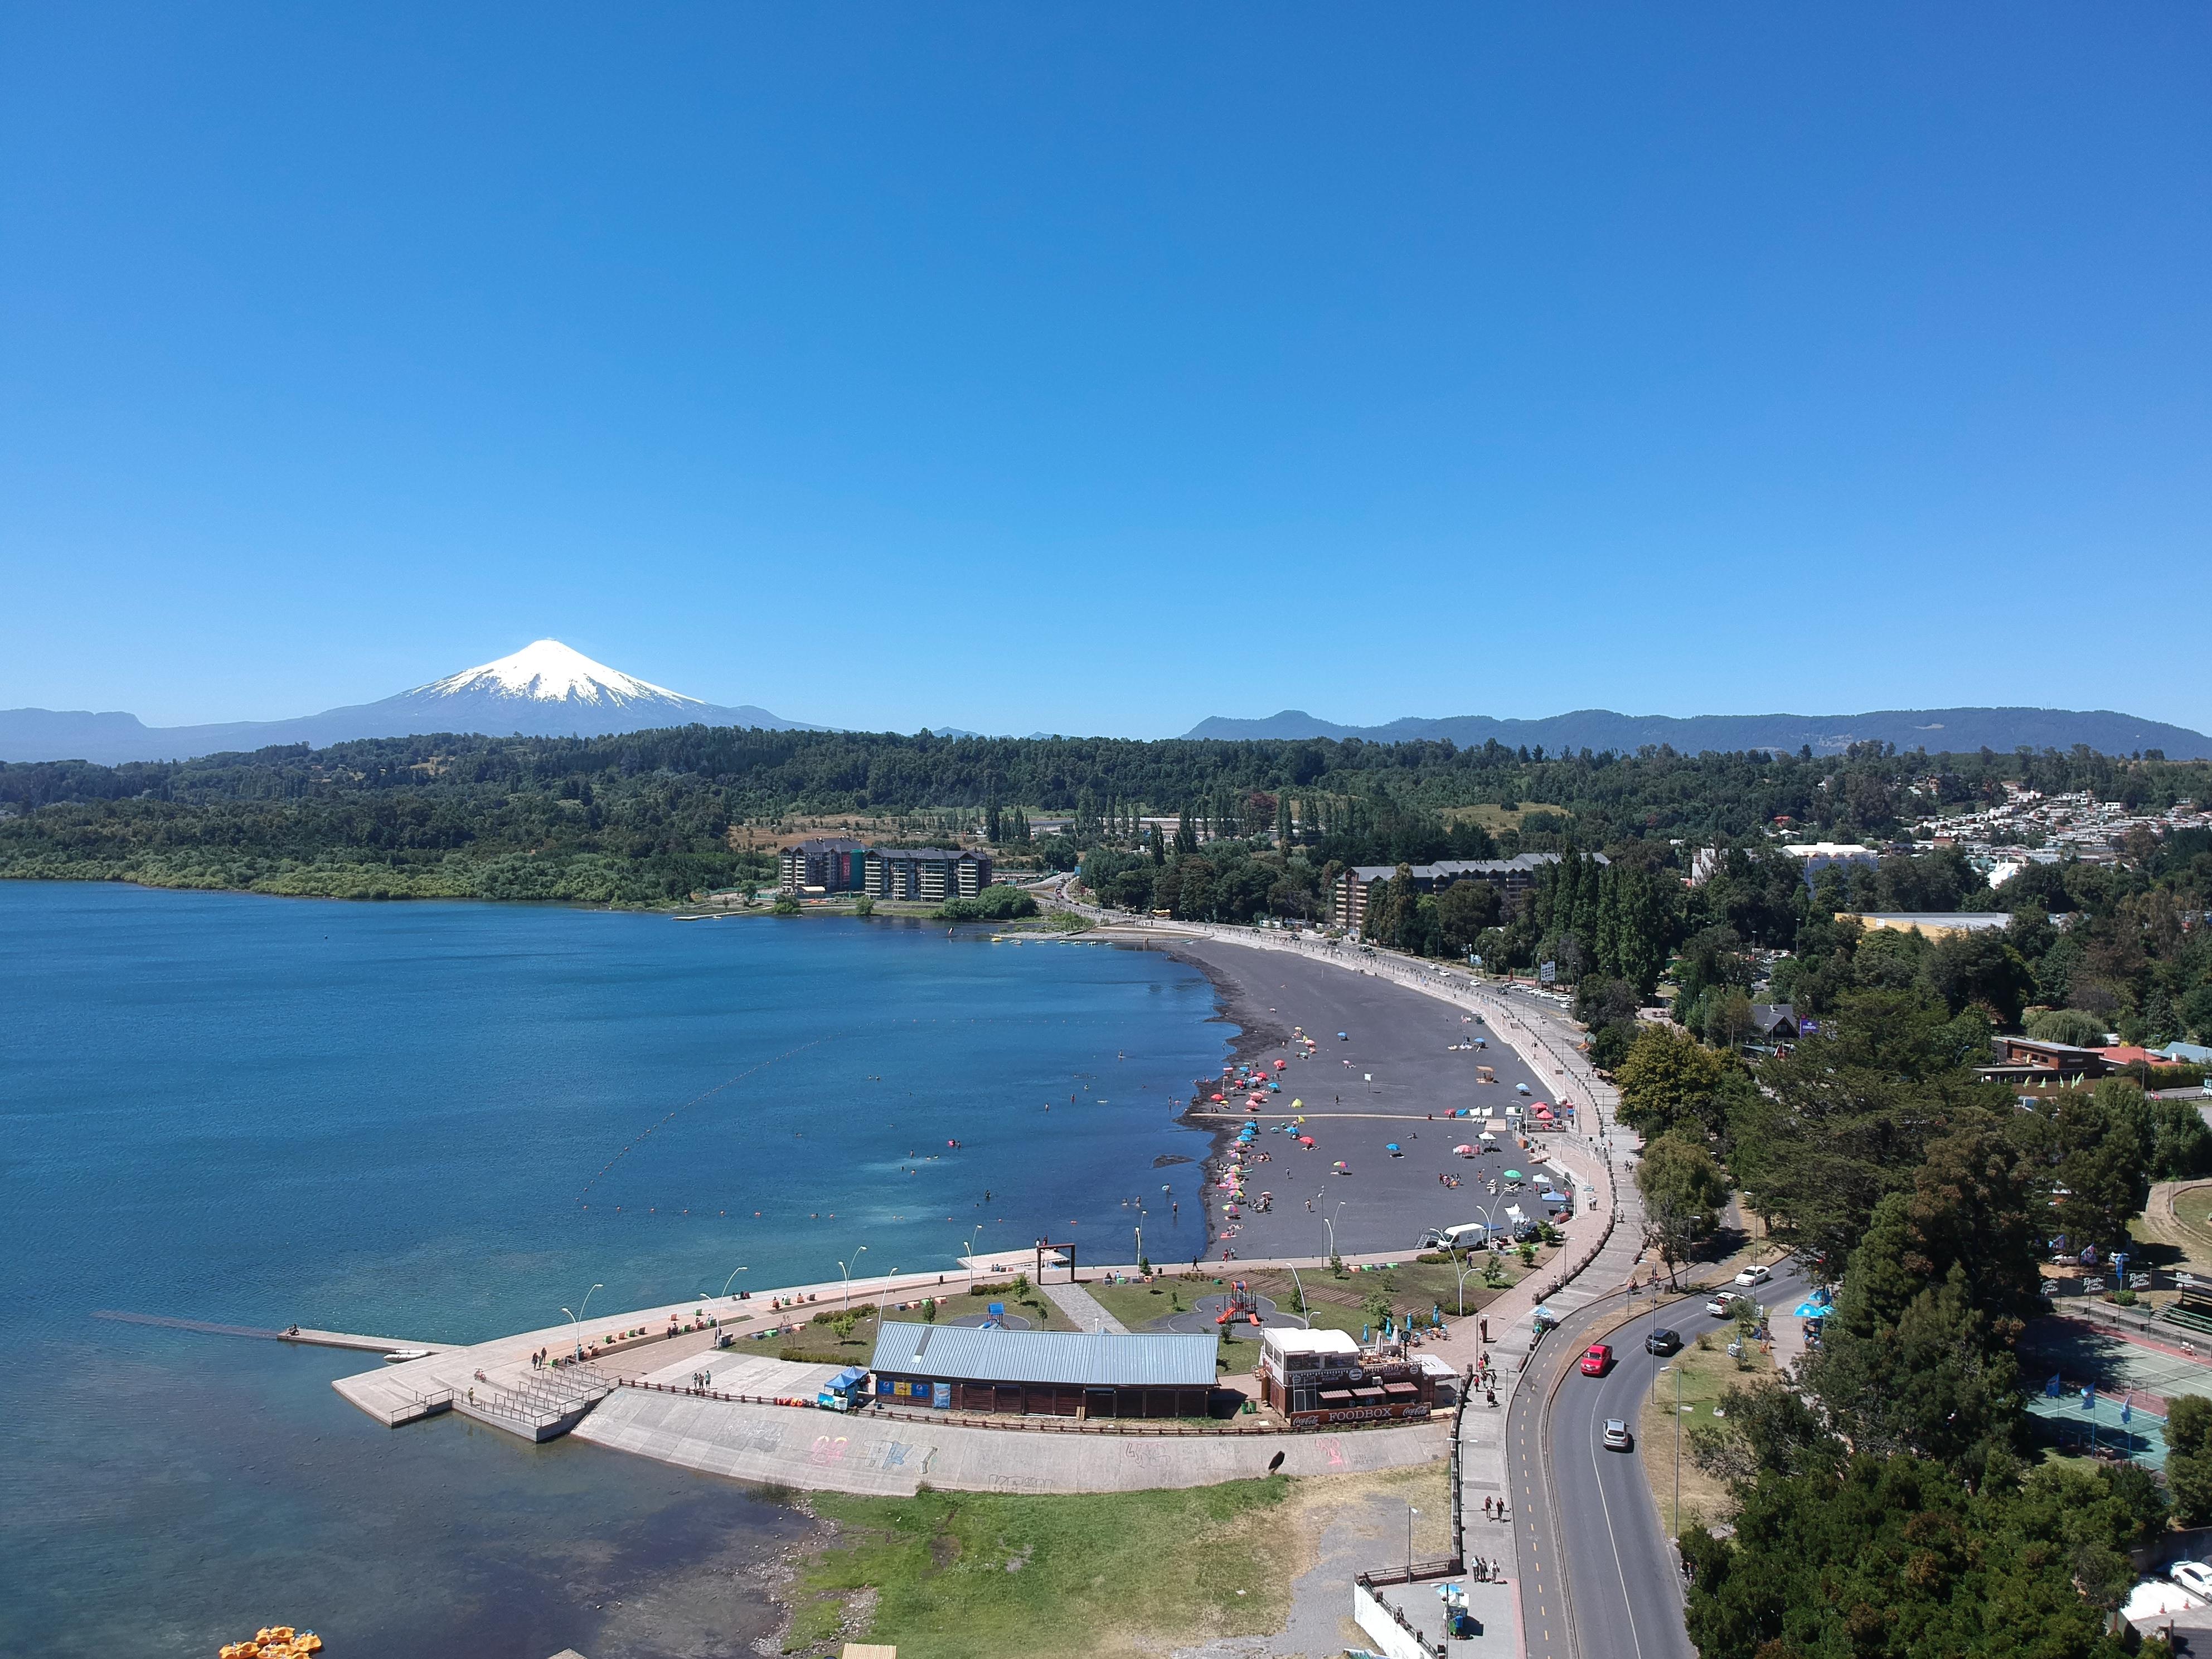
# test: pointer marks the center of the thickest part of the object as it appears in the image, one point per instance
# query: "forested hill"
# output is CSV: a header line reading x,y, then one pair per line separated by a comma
x,y
647,816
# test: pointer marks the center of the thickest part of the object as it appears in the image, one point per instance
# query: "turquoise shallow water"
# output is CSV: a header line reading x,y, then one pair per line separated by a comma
x,y
446,1121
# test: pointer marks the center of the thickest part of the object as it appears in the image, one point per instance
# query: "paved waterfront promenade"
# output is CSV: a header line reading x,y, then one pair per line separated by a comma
x,y
873,1452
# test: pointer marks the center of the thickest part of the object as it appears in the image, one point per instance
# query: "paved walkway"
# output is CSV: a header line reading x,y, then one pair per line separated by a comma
x,y
1084,1309
872,1452
1605,1250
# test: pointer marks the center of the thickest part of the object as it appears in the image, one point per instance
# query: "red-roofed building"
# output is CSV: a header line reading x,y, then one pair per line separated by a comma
x,y
2128,1053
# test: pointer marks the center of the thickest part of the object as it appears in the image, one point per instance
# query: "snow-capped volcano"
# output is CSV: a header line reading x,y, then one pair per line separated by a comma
x,y
546,671
545,690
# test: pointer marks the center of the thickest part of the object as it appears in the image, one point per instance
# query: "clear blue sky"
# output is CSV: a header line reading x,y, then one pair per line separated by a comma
x,y
1096,369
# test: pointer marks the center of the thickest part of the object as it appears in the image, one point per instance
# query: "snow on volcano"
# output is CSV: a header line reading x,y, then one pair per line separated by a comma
x,y
546,671
546,689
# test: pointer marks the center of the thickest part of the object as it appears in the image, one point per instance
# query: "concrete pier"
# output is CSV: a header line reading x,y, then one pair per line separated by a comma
x,y
361,1344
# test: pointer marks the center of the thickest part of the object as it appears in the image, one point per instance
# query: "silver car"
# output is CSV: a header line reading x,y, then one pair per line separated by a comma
x,y
1616,1435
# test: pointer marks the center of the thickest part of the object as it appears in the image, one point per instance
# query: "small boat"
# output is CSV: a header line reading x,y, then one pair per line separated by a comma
x,y
401,1356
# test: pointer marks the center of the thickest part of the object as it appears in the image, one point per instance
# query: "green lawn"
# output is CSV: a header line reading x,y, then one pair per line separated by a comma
x,y
1707,1373
1331,1302
973,1576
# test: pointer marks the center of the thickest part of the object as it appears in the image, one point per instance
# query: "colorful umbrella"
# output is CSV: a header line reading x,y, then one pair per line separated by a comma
x,y
1463,1152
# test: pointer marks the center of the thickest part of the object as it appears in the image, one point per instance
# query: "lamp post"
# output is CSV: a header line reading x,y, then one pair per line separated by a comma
x,y
1677,1369
1410,1513
732,1278
969,1253
1463,1272
577,1319
846,1301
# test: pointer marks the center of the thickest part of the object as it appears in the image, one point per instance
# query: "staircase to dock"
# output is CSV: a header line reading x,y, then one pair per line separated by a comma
x,y
541,1405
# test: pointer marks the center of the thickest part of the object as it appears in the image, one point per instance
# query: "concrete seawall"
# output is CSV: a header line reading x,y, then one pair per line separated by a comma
x,y
893,1457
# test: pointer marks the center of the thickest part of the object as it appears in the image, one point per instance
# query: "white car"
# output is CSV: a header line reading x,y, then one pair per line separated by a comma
x,y
1753,1276
1722,1305
1617,1439
2192,1576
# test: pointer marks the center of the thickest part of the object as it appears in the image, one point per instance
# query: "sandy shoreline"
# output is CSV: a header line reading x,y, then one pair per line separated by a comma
x,y
1409,1064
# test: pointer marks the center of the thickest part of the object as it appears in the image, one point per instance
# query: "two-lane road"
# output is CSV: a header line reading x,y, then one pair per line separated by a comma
x,y
1605,1537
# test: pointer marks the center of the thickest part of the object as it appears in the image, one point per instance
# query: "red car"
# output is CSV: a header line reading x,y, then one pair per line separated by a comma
x,y
1597,1359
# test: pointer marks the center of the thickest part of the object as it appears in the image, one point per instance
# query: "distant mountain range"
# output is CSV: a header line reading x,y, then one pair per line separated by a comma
x,y
548,690
1960,730
544,689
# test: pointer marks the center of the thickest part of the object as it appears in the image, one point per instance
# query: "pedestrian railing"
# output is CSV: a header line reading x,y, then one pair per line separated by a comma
x,y
1143,1426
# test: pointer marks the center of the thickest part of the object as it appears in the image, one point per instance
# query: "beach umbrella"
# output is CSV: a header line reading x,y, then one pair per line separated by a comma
x,y
1463,1152
1282,1064
1389,1145
1340,1164
1296,1104
1513,1175
1485,1135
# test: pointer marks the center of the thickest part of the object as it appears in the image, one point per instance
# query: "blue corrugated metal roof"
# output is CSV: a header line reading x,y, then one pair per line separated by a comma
x,y
1077,1358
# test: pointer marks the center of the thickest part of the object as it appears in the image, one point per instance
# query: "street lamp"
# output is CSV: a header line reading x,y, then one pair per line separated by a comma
x,y
1677,1369
847,1299
1410,1513
1463,1272
732,1280
577,1318
969,1253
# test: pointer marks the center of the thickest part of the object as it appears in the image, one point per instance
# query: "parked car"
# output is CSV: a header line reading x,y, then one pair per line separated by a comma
x,y
1597,1359
2192,1576
1722,1305
1663,1341
1753,1275
1616,1435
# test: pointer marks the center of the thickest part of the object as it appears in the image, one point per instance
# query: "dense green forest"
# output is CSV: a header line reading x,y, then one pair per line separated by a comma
x,y
646,818
1896,1502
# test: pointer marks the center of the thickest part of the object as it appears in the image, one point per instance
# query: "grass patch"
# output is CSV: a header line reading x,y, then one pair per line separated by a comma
x,y
1706,1374
1494,818
972,1575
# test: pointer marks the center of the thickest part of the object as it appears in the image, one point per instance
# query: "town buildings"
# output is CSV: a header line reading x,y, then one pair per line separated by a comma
x,y
837,864
2029,827
1045,1373
1514,877
826,864
1315,1377
929,873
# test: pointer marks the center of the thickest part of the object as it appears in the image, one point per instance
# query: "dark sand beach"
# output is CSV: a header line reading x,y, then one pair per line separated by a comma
x,y
1391,1078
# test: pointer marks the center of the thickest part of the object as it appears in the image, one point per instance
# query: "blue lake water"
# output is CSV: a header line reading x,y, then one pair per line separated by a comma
x,y
446,1121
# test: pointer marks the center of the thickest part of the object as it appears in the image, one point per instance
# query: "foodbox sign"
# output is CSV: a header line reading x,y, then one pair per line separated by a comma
x,y
1362,1413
